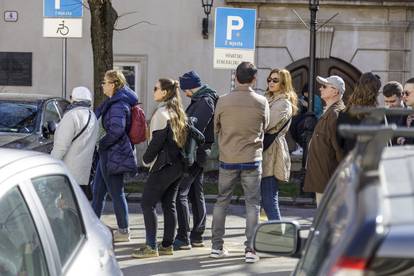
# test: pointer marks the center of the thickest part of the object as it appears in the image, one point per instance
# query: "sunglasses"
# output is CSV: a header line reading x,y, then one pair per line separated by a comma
x,y
156,88
274,80
406,93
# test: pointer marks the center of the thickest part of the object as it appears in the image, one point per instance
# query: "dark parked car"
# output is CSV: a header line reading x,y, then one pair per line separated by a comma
x,y
28,120
365,223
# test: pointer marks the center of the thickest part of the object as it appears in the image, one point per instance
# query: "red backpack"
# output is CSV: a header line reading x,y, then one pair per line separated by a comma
x,y
138,125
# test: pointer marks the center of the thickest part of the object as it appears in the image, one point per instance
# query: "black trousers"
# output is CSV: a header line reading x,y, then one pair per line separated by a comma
x,y
161,186
191,187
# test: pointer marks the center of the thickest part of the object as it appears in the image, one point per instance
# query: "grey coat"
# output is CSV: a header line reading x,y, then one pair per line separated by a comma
x,y
76,155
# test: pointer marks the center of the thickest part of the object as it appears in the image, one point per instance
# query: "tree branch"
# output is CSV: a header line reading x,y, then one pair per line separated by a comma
x,y
135,24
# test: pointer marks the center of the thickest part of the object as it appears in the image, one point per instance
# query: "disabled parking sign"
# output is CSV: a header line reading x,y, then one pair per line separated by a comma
x,y
234,37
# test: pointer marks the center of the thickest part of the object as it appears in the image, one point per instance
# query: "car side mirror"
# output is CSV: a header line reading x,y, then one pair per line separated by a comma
x,y
277,237
49,128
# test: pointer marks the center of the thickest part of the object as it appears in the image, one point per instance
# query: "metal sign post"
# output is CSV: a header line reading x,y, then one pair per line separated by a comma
x,y
64,62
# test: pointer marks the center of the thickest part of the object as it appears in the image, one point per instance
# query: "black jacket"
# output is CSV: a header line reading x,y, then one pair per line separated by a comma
x,y
202,106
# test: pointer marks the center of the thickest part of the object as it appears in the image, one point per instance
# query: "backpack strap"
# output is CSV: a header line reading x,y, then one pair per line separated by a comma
x,y
83,129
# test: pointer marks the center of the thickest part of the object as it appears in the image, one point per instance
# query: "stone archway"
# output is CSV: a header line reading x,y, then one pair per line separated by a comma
x,y
324,67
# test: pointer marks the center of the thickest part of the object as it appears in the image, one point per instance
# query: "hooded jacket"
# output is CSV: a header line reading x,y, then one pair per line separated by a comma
x,y
116,120
202,106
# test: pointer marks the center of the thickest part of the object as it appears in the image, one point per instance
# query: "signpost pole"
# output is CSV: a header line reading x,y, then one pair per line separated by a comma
x,y
64,66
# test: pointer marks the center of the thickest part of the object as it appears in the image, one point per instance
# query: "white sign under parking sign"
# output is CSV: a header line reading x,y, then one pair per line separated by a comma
x,y
62,27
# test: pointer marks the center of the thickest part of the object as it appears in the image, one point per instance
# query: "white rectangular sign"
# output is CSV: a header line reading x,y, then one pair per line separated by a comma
x,y
230,59
62,27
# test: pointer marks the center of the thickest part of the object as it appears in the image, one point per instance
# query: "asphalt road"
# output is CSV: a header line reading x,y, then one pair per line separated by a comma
x,y
197,261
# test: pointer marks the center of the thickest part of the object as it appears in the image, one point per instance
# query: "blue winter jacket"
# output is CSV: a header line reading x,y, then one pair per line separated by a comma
x,y
116,120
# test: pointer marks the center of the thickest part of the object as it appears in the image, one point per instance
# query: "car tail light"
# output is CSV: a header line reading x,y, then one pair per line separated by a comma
x,y
349,266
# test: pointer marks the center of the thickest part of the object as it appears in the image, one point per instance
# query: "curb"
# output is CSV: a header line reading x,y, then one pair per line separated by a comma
x,y
284,201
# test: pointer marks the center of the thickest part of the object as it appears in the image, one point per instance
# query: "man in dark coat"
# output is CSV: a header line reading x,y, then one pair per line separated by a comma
x,y
324,152
202,106
407,121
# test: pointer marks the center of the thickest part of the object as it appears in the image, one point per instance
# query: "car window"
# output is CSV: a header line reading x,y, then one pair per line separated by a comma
x,y
21,252
51,113
58,199
62,105
331,222
18,117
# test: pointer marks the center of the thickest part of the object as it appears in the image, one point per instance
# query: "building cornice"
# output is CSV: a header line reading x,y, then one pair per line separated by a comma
x,y
384,3
339,26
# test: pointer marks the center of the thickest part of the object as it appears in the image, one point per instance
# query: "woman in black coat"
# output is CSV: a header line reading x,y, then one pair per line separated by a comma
x,y
168,132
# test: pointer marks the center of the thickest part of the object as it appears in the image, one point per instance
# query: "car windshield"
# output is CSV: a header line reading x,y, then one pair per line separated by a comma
x,y
18,117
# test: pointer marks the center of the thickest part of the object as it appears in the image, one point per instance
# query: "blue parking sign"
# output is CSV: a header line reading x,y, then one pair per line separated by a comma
x,y
235,28
62,8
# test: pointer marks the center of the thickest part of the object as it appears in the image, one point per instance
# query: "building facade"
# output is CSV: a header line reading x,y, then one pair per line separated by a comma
x,y
365,36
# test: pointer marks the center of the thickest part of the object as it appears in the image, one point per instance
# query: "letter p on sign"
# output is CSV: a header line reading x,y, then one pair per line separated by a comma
x,y
234,23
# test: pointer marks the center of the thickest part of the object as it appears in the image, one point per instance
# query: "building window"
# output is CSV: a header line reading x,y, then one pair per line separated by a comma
x,y
132,73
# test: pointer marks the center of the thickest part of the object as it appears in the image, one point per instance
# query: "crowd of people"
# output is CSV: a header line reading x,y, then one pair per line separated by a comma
x,y
250,130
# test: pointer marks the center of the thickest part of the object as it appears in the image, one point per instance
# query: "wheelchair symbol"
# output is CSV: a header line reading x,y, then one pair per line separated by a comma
x,y
63,29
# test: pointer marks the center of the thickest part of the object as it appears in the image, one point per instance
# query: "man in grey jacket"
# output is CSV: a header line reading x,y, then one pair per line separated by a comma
x,y
75,137
240,120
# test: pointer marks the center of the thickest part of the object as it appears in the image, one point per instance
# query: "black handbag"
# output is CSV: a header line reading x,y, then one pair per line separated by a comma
x,y
269,138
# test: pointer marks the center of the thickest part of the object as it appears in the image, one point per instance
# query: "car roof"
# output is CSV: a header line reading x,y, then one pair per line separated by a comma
x,y
397,178
9,156
25,97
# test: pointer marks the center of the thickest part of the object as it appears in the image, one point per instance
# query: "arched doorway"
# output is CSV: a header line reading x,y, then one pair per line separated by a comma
x,y
324,67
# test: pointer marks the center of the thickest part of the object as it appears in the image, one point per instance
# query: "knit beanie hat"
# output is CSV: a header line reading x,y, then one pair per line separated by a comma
x,y
190,80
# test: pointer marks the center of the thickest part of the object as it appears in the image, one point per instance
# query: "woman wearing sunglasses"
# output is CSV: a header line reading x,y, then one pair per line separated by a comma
x,y
168,133
276,159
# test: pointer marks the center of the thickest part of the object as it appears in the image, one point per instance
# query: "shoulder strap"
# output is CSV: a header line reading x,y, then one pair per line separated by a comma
x,y
83,129
274,135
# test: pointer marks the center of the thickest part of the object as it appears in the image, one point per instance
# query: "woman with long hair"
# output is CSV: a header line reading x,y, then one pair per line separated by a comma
x,y
365,94
168,133
115,151
283,101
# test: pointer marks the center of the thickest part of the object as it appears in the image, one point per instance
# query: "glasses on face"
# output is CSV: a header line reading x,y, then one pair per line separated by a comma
x,y
406,93
156,88
274,80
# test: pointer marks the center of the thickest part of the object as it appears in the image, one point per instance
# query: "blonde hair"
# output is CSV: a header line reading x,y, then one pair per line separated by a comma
x,y
116,77
285,87
175,108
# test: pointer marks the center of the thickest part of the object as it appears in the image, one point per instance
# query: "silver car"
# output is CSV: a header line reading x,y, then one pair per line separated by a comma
x,y
47,226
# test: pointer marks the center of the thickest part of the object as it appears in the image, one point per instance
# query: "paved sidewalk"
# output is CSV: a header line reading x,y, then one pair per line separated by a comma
x,y
197,261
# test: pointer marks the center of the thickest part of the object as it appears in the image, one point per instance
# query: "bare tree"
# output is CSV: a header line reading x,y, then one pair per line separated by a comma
x,y
103,19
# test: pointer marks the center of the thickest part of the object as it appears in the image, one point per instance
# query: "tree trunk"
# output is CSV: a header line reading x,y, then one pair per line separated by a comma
x,y
103,17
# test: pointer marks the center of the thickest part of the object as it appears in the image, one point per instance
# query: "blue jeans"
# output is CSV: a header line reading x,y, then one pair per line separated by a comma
x,y
270,197
105,183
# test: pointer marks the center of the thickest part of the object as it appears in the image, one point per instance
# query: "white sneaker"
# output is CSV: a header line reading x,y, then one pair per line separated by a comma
x,y
251,257
298,151
217,253
121,237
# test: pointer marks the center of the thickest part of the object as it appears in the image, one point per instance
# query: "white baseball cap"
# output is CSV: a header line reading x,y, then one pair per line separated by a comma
x,y
81,93
335,81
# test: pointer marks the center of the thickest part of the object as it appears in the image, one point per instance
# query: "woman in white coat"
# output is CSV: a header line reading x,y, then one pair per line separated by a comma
x,y
75,137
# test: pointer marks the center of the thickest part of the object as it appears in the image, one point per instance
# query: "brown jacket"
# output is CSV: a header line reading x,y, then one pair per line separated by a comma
x,y
240,120
276,159
324,152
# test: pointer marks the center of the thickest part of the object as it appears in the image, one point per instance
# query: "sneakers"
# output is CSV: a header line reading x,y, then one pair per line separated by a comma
x,y
197,243
165,251
121,237
219,253
298,151
251,256
145,252
181,245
